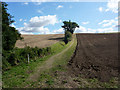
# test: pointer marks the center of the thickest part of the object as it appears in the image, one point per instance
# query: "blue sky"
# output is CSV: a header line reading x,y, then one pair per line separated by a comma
x,y
47,17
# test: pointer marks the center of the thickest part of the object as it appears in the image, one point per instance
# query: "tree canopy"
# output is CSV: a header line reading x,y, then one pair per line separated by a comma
x,y
70,26
9,34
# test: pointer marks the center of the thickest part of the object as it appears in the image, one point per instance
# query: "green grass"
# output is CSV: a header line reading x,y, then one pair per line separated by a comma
x,y
95,83
65,57
16,77
46,78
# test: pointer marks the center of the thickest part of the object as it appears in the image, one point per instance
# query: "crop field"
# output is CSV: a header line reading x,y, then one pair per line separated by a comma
x,y
40,41
96,56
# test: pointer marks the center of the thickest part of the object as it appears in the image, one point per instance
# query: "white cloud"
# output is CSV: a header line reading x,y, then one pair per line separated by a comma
x,y
59,31
81,29
37,24
40,30
104,30
59,6
60,21
39,11
107,10
12,25
55,0
20,20
85,22
23,32
114,26
42,21
106,23
38,2
110,23
116,18
26,3
100,9
112,5
107,26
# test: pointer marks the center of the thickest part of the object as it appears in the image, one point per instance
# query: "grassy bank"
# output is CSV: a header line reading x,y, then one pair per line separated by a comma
x,y
47,78
16,77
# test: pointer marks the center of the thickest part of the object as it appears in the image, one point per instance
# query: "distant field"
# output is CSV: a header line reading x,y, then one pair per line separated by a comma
x,y
40,41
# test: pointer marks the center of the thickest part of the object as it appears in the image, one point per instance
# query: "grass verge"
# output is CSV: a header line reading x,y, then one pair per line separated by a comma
x,y
16,77
47,79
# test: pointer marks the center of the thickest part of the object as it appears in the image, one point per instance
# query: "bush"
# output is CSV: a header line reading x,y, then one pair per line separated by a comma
x,y
48,50
20,55
5,64
68,37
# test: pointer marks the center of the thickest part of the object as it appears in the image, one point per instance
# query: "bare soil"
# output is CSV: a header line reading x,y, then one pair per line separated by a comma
x,y
96,56
40,41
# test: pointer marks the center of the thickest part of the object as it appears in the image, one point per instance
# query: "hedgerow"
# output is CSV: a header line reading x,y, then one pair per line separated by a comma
x,y
18,56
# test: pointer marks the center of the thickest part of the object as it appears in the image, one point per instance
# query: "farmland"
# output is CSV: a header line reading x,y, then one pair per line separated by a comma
x,y
89,60
40,41
59,45
96,56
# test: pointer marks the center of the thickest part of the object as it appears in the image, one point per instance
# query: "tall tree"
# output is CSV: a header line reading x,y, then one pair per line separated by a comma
x,y
9,34
70,26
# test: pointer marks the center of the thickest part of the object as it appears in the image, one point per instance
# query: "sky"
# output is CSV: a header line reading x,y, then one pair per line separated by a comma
x,y
48,17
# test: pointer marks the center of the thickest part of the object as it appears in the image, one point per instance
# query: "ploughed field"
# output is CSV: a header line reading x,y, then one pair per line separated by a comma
x,y
96,56
40,41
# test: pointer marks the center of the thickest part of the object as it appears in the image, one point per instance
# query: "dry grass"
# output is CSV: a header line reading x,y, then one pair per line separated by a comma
x,y
40,41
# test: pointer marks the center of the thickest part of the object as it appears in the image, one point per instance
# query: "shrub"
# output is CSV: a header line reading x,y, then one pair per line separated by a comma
x,y
5,64
48,50
20,55
68,37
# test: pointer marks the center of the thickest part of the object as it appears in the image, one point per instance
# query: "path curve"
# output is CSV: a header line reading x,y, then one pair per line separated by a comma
x,y
48,64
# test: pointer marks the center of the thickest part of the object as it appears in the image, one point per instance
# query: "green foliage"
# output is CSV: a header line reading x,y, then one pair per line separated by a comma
x,y
70,26
9,37
5,64
6,17
18,56
68,37
9,34
50,82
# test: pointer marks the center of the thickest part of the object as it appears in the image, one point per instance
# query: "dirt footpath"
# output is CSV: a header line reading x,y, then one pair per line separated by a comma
x,y
47,64
96,56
